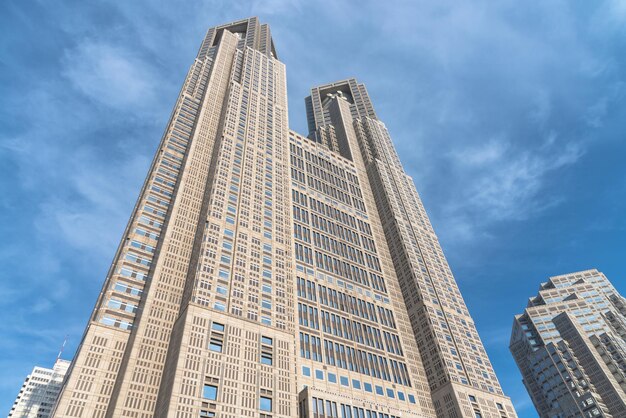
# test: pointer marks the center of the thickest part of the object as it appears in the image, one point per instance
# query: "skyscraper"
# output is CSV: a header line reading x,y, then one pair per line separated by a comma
x,y
39,391
264,273
570,345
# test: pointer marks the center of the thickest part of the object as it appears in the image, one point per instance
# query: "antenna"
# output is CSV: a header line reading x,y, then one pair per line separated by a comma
x,y
62,348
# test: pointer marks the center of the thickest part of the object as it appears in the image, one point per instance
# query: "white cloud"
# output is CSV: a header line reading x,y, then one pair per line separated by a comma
x,y
482,154
503,183
41,305
92,220
110,75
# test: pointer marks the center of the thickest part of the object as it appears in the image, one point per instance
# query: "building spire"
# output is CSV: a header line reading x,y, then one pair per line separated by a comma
x,y
62,348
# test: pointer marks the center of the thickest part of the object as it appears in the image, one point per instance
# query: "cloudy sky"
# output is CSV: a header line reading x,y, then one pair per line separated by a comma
x,y
509,115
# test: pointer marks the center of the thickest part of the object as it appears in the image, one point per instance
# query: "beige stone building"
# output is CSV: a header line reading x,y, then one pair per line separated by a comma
x,y
268,274
570,345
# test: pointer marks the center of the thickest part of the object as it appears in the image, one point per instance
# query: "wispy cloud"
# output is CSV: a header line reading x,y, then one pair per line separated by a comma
x,y
494,108
110,75
507,185
482,154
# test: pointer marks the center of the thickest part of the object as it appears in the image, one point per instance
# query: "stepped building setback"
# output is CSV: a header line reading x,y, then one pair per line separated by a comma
x,y
265,273
570,345
40,391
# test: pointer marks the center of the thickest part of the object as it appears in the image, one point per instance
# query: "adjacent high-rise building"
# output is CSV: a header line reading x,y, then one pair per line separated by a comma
x,y
40,391
570,346
265,273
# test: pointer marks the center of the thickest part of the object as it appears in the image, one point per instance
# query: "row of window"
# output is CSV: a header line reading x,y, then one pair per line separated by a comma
x,y
349,304
333,228
329,409
355,360
153,213
210,393
327,225
351,330
337,247
323,162
116,322
332,175
334,265
345,302
336,214
216,343
323,169
327,175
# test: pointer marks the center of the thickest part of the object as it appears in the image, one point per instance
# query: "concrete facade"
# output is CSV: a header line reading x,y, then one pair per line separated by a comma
x,y
265,273
570,346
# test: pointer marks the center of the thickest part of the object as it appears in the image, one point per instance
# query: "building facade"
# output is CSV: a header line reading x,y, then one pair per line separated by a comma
x,y
40,391
265,273
570,346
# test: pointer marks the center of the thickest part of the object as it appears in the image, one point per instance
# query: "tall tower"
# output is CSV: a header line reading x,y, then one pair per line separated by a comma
x,y
570,346
259,274
39,391
461,379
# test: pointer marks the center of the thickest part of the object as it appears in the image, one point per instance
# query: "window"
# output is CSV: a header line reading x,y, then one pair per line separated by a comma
x,y
219,306
266,340
379,390
499,405
391,394
411,398
332,377
206,414
319,374
266,359
356,384
217,327
368,387
210,392
478,414
215,345
306,371
344,381
265,404
472,398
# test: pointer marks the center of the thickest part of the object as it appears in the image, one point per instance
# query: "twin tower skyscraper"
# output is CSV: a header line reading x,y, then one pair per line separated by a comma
x,y
267,274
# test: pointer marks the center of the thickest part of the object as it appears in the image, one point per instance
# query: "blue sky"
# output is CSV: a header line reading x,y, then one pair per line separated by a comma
x,y
511,118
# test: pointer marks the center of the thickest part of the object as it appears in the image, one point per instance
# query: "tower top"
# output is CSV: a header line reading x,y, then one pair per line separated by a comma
x,y
350,89
250,32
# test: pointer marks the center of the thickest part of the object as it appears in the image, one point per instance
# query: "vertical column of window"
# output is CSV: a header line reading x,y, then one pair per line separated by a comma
x,y
305,350
216,337
267,351
137,256
316,348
